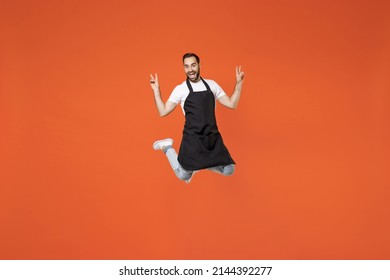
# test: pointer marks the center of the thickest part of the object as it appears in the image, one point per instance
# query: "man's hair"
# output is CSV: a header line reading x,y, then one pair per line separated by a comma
x,y
187,55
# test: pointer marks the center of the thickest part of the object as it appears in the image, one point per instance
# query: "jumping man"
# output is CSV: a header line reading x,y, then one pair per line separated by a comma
x,y
202,146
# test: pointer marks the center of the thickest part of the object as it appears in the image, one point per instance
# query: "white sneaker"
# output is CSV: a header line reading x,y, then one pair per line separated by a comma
x,y
160,144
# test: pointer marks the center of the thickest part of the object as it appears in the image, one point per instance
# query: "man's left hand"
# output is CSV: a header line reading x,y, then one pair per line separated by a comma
x,y
239,74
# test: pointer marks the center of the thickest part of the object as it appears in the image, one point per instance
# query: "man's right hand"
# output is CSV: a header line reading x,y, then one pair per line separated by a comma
x,y
154,82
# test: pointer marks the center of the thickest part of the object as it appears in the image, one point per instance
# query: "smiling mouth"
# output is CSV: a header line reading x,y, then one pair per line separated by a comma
x,y
192,76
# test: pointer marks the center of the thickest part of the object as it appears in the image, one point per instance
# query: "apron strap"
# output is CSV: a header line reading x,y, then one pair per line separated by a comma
x,y
206,84
189,86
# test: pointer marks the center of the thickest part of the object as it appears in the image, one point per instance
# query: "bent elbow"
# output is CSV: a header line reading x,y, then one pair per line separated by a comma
x,y
232,106
164,113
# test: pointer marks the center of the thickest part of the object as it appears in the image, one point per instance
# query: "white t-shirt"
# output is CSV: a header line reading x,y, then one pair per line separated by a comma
x,y
180,92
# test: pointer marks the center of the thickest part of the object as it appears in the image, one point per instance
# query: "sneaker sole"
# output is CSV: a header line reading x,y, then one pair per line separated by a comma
x,y
159,141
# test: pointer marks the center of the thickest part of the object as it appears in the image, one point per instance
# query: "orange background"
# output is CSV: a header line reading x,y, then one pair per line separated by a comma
x,y
80,180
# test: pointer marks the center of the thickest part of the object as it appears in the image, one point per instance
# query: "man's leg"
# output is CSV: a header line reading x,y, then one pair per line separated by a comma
x,y
166,146
180,172
223,169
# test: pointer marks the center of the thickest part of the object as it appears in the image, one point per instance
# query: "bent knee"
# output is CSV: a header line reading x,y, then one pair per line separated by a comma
x,y
228,170
183,175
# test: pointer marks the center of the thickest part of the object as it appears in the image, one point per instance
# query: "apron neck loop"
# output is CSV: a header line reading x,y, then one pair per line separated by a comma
x,y
203,81
206,84
189,85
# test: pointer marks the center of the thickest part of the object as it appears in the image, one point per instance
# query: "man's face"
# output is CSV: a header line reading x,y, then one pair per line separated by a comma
x,y
192,69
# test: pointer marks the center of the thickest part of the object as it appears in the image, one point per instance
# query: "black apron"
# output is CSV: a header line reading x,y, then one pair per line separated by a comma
x,y
202,145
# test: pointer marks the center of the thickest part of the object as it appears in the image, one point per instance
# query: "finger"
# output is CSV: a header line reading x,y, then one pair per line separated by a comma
x,y
156,77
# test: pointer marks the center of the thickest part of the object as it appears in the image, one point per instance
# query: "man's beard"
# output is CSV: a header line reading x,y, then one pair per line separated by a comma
x,y
196,77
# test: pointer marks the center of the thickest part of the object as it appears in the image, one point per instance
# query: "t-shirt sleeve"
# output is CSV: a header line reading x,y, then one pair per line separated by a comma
x,y
217,90
176,95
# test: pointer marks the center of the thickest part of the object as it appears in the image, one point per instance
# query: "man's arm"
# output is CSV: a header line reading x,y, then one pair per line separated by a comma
x,y
163,109
232,101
